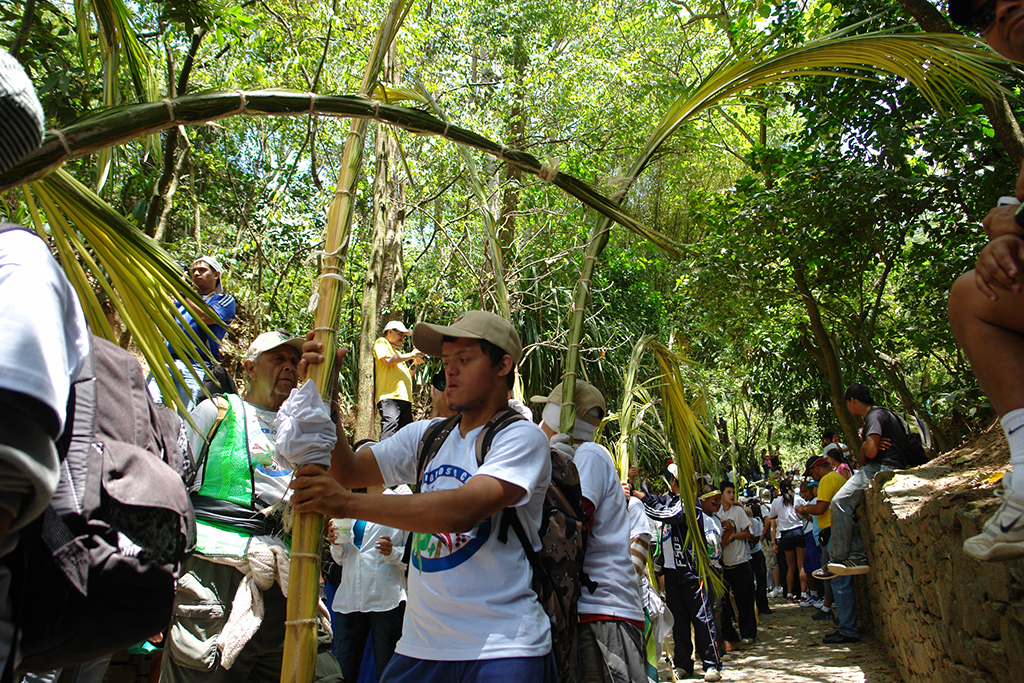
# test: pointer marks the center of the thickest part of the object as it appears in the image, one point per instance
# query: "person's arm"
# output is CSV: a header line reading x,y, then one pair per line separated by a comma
x,y
868,448
394,359
667,509
818,508
435,512
639,551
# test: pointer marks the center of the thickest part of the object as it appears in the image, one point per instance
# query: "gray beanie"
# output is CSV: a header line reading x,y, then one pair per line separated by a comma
x,y
21,115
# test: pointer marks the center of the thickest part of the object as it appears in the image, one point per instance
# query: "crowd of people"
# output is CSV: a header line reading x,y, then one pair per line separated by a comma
x,y
436,529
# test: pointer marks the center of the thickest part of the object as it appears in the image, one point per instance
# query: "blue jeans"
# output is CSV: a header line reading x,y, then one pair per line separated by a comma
x,y
350,634
846,542
187,392
404,669
842,595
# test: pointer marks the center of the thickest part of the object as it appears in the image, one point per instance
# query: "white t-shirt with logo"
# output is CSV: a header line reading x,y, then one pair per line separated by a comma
x,y
469,594
607,561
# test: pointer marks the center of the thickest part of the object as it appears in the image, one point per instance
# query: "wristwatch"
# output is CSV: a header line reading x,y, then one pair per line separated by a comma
x,y
1018,215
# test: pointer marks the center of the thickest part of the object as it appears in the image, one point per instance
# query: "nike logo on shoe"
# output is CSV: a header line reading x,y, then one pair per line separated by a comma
x,y
1014,429
1005,528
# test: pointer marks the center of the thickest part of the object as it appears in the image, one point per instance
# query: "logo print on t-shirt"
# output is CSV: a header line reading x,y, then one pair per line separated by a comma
x,y
437,552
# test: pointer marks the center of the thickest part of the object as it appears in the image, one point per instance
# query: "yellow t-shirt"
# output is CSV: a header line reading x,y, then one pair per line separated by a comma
x,y
827,488
392,381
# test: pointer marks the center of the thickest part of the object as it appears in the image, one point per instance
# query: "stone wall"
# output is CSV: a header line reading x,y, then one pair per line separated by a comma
x,y
942,615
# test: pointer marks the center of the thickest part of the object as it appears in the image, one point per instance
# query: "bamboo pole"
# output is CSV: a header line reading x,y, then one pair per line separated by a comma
x,y
300,639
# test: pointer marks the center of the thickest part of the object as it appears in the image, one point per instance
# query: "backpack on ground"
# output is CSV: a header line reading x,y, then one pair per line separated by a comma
x,y
96,572
913,445
558,575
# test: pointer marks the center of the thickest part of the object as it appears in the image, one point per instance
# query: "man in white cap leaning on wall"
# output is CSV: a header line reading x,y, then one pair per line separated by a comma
x,y
611,627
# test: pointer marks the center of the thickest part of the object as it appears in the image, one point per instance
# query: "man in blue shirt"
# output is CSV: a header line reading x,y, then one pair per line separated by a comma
x,y
206,277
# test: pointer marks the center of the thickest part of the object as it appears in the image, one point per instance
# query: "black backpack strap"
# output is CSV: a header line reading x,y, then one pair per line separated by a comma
x,y
503,418
509,518
430,444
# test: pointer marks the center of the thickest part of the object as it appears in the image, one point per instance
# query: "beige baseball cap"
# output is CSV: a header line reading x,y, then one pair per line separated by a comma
x,y
587,398
470,325
271,340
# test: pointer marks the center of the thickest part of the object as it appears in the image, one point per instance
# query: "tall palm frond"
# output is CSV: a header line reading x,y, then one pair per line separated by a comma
x,y
117,42
119,125
939,65
691,448
99,249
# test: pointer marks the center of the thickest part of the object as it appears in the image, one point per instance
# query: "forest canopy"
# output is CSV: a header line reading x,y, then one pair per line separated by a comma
x,y
817,222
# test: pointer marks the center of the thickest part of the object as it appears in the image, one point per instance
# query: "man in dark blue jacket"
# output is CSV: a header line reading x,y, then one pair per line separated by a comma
x,y
687,596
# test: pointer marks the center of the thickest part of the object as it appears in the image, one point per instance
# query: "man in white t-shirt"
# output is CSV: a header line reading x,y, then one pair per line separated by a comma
x,y
736,569
471,614
43,344
611,627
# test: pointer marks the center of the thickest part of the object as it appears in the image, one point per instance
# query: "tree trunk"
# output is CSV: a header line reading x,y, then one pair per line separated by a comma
x,y
827,358
384,279
999,113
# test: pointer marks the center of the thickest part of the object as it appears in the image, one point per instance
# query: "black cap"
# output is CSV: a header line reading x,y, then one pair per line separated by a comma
x,y
859,392
812,461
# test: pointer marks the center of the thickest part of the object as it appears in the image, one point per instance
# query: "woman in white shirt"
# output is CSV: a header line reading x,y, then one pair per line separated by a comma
x,y
791,538
370,600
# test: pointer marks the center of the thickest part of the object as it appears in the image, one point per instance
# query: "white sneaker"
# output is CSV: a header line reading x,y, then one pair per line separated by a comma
x,y
1002,537
817,604
712,675
849,567
775,592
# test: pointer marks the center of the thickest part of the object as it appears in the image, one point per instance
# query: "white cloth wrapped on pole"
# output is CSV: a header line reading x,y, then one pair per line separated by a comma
x,y
263,566
306,435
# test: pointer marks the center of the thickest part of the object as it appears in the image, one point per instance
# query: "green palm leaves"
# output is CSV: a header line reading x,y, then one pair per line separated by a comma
x,y
939,65
100,250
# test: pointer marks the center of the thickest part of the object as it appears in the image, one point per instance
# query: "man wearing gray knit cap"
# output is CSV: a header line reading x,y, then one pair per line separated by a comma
x,y
20,112
44,342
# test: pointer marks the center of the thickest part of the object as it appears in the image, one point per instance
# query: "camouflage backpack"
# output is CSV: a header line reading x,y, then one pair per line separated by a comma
x,y
558,575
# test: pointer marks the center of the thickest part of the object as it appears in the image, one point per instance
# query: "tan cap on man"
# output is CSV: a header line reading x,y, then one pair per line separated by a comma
x,y
470,325
590,408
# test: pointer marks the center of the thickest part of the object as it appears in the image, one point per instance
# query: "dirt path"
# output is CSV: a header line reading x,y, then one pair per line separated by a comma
x,y
789,650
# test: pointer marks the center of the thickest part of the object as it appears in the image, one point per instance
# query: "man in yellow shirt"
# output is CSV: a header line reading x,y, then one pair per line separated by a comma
x,y
829,483
393,378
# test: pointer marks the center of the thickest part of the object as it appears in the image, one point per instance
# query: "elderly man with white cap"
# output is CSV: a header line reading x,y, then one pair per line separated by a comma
x,y
218,631
611,628
393,394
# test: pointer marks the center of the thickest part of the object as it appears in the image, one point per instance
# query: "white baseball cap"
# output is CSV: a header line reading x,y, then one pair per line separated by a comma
x,y
397,325
271,340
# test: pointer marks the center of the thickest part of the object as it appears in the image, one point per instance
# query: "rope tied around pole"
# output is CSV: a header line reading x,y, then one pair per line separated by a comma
x,y
63,140
171,116
548,173
243,104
